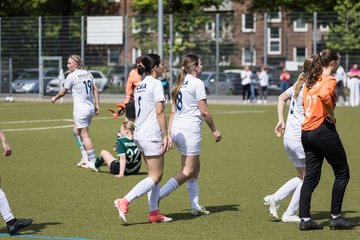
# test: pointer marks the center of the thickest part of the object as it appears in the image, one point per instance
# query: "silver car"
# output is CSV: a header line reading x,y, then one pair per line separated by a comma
x,y
224,86
28,81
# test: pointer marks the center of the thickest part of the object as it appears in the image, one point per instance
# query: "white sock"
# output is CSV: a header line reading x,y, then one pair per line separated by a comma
x,y
294,203
168,188
286,189
140,189
193,190
84,153
153,198
91,155
5,207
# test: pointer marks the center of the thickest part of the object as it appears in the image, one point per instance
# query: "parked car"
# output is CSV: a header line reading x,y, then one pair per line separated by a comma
x,y
224,85
28,81
116,74
235,79
101,82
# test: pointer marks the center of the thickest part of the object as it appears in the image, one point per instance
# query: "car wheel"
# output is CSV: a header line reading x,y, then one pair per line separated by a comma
x,y
207,91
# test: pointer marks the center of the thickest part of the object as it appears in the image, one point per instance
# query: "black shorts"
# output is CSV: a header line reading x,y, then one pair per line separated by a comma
x,y
130,110
115,168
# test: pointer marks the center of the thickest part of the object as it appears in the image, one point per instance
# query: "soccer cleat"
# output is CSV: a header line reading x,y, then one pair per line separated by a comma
x,y
340,223
122,206
201,211
157,217
16,224
290,218
272,206
309,225
83,163
91,165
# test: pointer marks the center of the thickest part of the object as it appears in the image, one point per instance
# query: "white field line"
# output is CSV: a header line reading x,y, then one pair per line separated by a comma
x,y
96,118
43,128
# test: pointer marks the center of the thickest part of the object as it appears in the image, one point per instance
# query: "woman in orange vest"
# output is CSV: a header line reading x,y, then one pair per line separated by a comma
x,y
321,140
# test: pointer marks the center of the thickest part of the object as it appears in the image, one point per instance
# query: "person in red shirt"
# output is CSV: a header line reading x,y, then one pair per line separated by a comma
x,y
284,80
321,140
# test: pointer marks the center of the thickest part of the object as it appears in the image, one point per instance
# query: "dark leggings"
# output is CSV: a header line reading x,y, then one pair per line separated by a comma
x,y
246,91
323,142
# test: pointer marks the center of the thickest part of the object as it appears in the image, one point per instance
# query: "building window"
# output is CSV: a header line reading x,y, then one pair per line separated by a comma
x,y
113,56
248,57
248,22
136,52
274,40
324,28
300,25
299,55
135,26
275,17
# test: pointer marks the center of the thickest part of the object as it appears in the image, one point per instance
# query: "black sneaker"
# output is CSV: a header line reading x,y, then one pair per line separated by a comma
x,y
17,224
340,223
309,225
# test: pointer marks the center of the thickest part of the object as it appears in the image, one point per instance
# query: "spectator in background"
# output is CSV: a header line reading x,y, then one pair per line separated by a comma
x,y
284,79
264,83
246,84
166,85
354,75
340,80
131,83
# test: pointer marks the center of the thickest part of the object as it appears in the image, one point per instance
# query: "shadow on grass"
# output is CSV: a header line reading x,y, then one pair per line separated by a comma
x,y
186,215
34,228
324,215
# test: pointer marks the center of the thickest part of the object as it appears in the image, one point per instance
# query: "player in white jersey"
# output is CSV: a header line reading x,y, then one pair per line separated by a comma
x,y
86,102
189,109
293,147
150,136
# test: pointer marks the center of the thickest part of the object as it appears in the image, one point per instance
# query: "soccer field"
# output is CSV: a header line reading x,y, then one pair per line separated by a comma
x,y
41,180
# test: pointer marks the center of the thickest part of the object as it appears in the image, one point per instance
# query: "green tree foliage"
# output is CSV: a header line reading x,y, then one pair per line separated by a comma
x,y
344,35
188,19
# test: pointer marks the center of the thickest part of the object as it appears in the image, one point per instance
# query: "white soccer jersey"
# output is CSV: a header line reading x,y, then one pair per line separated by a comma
x,y
147,93
295,116
187,114
80,82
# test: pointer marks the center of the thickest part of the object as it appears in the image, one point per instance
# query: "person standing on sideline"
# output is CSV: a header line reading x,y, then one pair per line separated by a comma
x,y
284,79
131,83
246,84
129,158
321,140
86,103
340,85
189,109
150,136
354,75
13,224
264,83
293,147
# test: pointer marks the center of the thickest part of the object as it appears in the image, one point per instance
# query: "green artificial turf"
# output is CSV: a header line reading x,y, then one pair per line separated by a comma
x,y
41,180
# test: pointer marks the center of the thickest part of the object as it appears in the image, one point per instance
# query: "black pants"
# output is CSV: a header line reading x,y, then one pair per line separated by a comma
x,y
246,91
320,143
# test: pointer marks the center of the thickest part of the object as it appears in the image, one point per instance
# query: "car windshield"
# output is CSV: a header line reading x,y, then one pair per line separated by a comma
x,y
29,75
233,75
204,76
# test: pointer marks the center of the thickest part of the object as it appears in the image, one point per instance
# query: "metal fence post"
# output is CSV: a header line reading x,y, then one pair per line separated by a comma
x,y
265,39
126,49
40,59
217,53
82,40
0,58
314,32
171,51
160,28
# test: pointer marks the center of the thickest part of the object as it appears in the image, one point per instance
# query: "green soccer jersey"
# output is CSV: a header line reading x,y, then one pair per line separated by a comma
x,y
128,147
